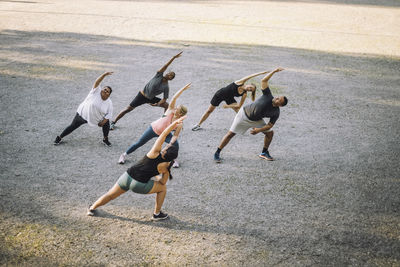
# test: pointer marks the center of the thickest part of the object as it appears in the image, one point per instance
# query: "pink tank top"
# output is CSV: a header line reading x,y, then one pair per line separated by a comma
x,y
162,123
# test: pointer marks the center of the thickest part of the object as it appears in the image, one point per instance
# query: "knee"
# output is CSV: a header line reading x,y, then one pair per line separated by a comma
x,y
129,109
269,134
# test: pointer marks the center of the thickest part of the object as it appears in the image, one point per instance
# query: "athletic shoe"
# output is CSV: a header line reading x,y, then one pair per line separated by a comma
x,y
217,158
161,216
112,126
175,165
266,155
106,142
57,141
90,212
122,158
196,127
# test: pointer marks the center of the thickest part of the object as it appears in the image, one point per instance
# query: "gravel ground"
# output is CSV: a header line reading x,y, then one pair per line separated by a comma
x,y
331,198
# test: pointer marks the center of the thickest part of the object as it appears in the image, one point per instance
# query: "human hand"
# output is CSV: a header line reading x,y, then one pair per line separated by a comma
x,y
254,131
178,55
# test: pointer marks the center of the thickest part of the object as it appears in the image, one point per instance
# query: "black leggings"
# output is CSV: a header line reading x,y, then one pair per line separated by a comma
x,y
78,121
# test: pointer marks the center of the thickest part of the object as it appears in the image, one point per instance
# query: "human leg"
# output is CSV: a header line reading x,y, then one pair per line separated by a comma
x,y
161,191
267,141
113,193
122,113
210,109
147,135
76,123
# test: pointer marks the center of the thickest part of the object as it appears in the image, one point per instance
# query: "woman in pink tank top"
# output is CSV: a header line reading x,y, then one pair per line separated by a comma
x,y
157,127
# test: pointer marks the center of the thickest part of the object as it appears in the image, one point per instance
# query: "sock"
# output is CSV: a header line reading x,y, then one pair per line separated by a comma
x,y
156,214
218,150
264,150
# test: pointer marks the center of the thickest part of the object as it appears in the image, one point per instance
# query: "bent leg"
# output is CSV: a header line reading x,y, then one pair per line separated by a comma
x,y
161,191
113,193
165,106
268,139
76,123
106,129
210,109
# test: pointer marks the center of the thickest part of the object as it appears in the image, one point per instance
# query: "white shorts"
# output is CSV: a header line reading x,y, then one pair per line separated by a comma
x,y
241,123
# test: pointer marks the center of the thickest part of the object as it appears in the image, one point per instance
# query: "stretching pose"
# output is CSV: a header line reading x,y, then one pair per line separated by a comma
x,y
157,85
158,126
228,94
137,178
251,116
96,109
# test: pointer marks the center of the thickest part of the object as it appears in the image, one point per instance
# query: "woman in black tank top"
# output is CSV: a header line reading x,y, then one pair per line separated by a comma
x,y
228,94
138,177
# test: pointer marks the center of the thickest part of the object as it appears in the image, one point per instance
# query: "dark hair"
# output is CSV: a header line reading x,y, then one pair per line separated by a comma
x,y
285,101
108,88
169,169
172,153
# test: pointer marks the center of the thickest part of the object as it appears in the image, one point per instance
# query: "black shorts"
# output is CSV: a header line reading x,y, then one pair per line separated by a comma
x,y
218,98
141,99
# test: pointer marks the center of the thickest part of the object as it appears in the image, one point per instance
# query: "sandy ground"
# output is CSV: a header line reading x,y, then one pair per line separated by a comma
x,y
331,198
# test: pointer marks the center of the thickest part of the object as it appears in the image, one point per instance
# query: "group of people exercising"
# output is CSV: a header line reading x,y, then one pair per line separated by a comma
x,y
97,109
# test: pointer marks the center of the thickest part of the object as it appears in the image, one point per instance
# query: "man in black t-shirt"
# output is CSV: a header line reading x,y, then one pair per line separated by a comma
x,y
251,116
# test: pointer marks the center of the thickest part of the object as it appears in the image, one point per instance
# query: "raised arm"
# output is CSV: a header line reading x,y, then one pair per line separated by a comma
x,y
245,79
169,62
155,150
264,81
176,95
100,79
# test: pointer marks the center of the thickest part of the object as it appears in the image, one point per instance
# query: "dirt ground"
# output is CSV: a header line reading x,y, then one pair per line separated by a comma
x,y
331,198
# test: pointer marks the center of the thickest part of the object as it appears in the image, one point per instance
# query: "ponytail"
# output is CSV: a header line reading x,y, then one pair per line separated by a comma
x,y
169,169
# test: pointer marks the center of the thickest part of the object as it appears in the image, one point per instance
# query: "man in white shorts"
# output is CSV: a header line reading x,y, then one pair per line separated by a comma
x,y
251,116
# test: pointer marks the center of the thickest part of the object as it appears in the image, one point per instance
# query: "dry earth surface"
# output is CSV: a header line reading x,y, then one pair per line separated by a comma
x,y
331,198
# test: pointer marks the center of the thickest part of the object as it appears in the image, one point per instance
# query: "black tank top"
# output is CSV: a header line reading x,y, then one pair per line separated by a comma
x,y
145,168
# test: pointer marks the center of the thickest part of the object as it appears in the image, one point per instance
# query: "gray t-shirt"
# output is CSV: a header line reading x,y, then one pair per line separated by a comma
x,y
262,108
155,87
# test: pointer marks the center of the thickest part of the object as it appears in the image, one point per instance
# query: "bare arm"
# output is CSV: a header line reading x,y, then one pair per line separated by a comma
x,y
262,129
176,133
155,150
264,81
176,95
100,79
169,62
164,175
237,105
245,79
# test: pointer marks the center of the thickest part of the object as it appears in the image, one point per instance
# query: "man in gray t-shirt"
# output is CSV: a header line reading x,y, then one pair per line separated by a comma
x,y
157,85
251,116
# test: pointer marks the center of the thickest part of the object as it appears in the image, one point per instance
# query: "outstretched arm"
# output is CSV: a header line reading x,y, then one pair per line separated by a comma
x,y
245,79
169,62
264,81
176,95
155,150
100,79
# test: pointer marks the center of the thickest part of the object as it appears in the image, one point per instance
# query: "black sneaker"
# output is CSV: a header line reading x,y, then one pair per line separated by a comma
x,y
106,142
57,141
161,216
217,158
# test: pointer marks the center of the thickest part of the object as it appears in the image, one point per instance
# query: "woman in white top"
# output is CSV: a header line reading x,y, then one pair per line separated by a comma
x,y
96,109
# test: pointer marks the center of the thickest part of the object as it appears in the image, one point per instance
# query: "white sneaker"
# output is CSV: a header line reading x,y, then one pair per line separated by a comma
x,y
175,165
196,127
122,158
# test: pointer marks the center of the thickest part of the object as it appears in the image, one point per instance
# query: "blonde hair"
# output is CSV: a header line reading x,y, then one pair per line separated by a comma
x,y
182,110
